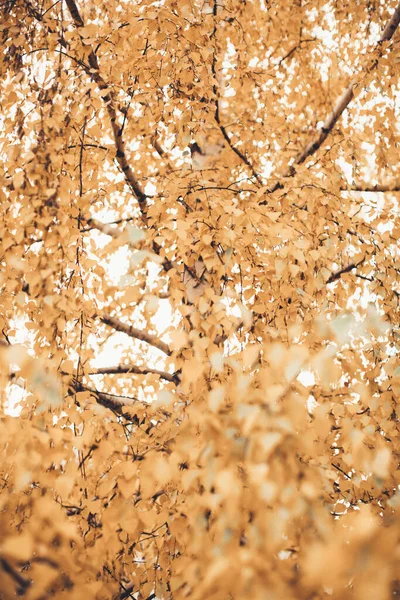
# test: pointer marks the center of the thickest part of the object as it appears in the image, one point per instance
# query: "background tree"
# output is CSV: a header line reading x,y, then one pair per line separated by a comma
x,y
208,189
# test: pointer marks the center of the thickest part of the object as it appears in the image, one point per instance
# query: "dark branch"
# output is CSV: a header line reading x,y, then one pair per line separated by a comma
x,y
391,25
364,277
338,274
395,187
341,471
236,150
23,584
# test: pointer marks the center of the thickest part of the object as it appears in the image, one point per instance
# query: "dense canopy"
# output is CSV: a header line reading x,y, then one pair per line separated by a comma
x,y
200,288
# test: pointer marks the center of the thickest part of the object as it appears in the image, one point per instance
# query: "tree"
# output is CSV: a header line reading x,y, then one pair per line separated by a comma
x,y
237,161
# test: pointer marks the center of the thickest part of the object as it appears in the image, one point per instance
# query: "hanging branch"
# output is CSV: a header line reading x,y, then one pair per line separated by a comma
x,y
138,334
94,74
93,71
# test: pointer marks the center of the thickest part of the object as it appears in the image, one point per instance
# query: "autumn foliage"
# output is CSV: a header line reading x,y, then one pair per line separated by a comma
x,y
199,306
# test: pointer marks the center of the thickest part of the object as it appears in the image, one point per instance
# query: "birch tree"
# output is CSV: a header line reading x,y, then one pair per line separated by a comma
x,y
199,299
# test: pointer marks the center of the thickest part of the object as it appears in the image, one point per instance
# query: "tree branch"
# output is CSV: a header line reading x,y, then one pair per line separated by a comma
x,y
236,150
133,183
162,154
134,370
94,74
217,115
22,583
391,25
338,274
341,104
364,277
341,470
106,228
113,402
127,592
394,187
346,97
143,336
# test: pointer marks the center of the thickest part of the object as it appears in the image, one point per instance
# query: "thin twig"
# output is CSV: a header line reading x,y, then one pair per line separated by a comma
x,y
341,470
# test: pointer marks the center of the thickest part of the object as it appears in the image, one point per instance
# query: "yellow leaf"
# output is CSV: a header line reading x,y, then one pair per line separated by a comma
x,y
19,547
